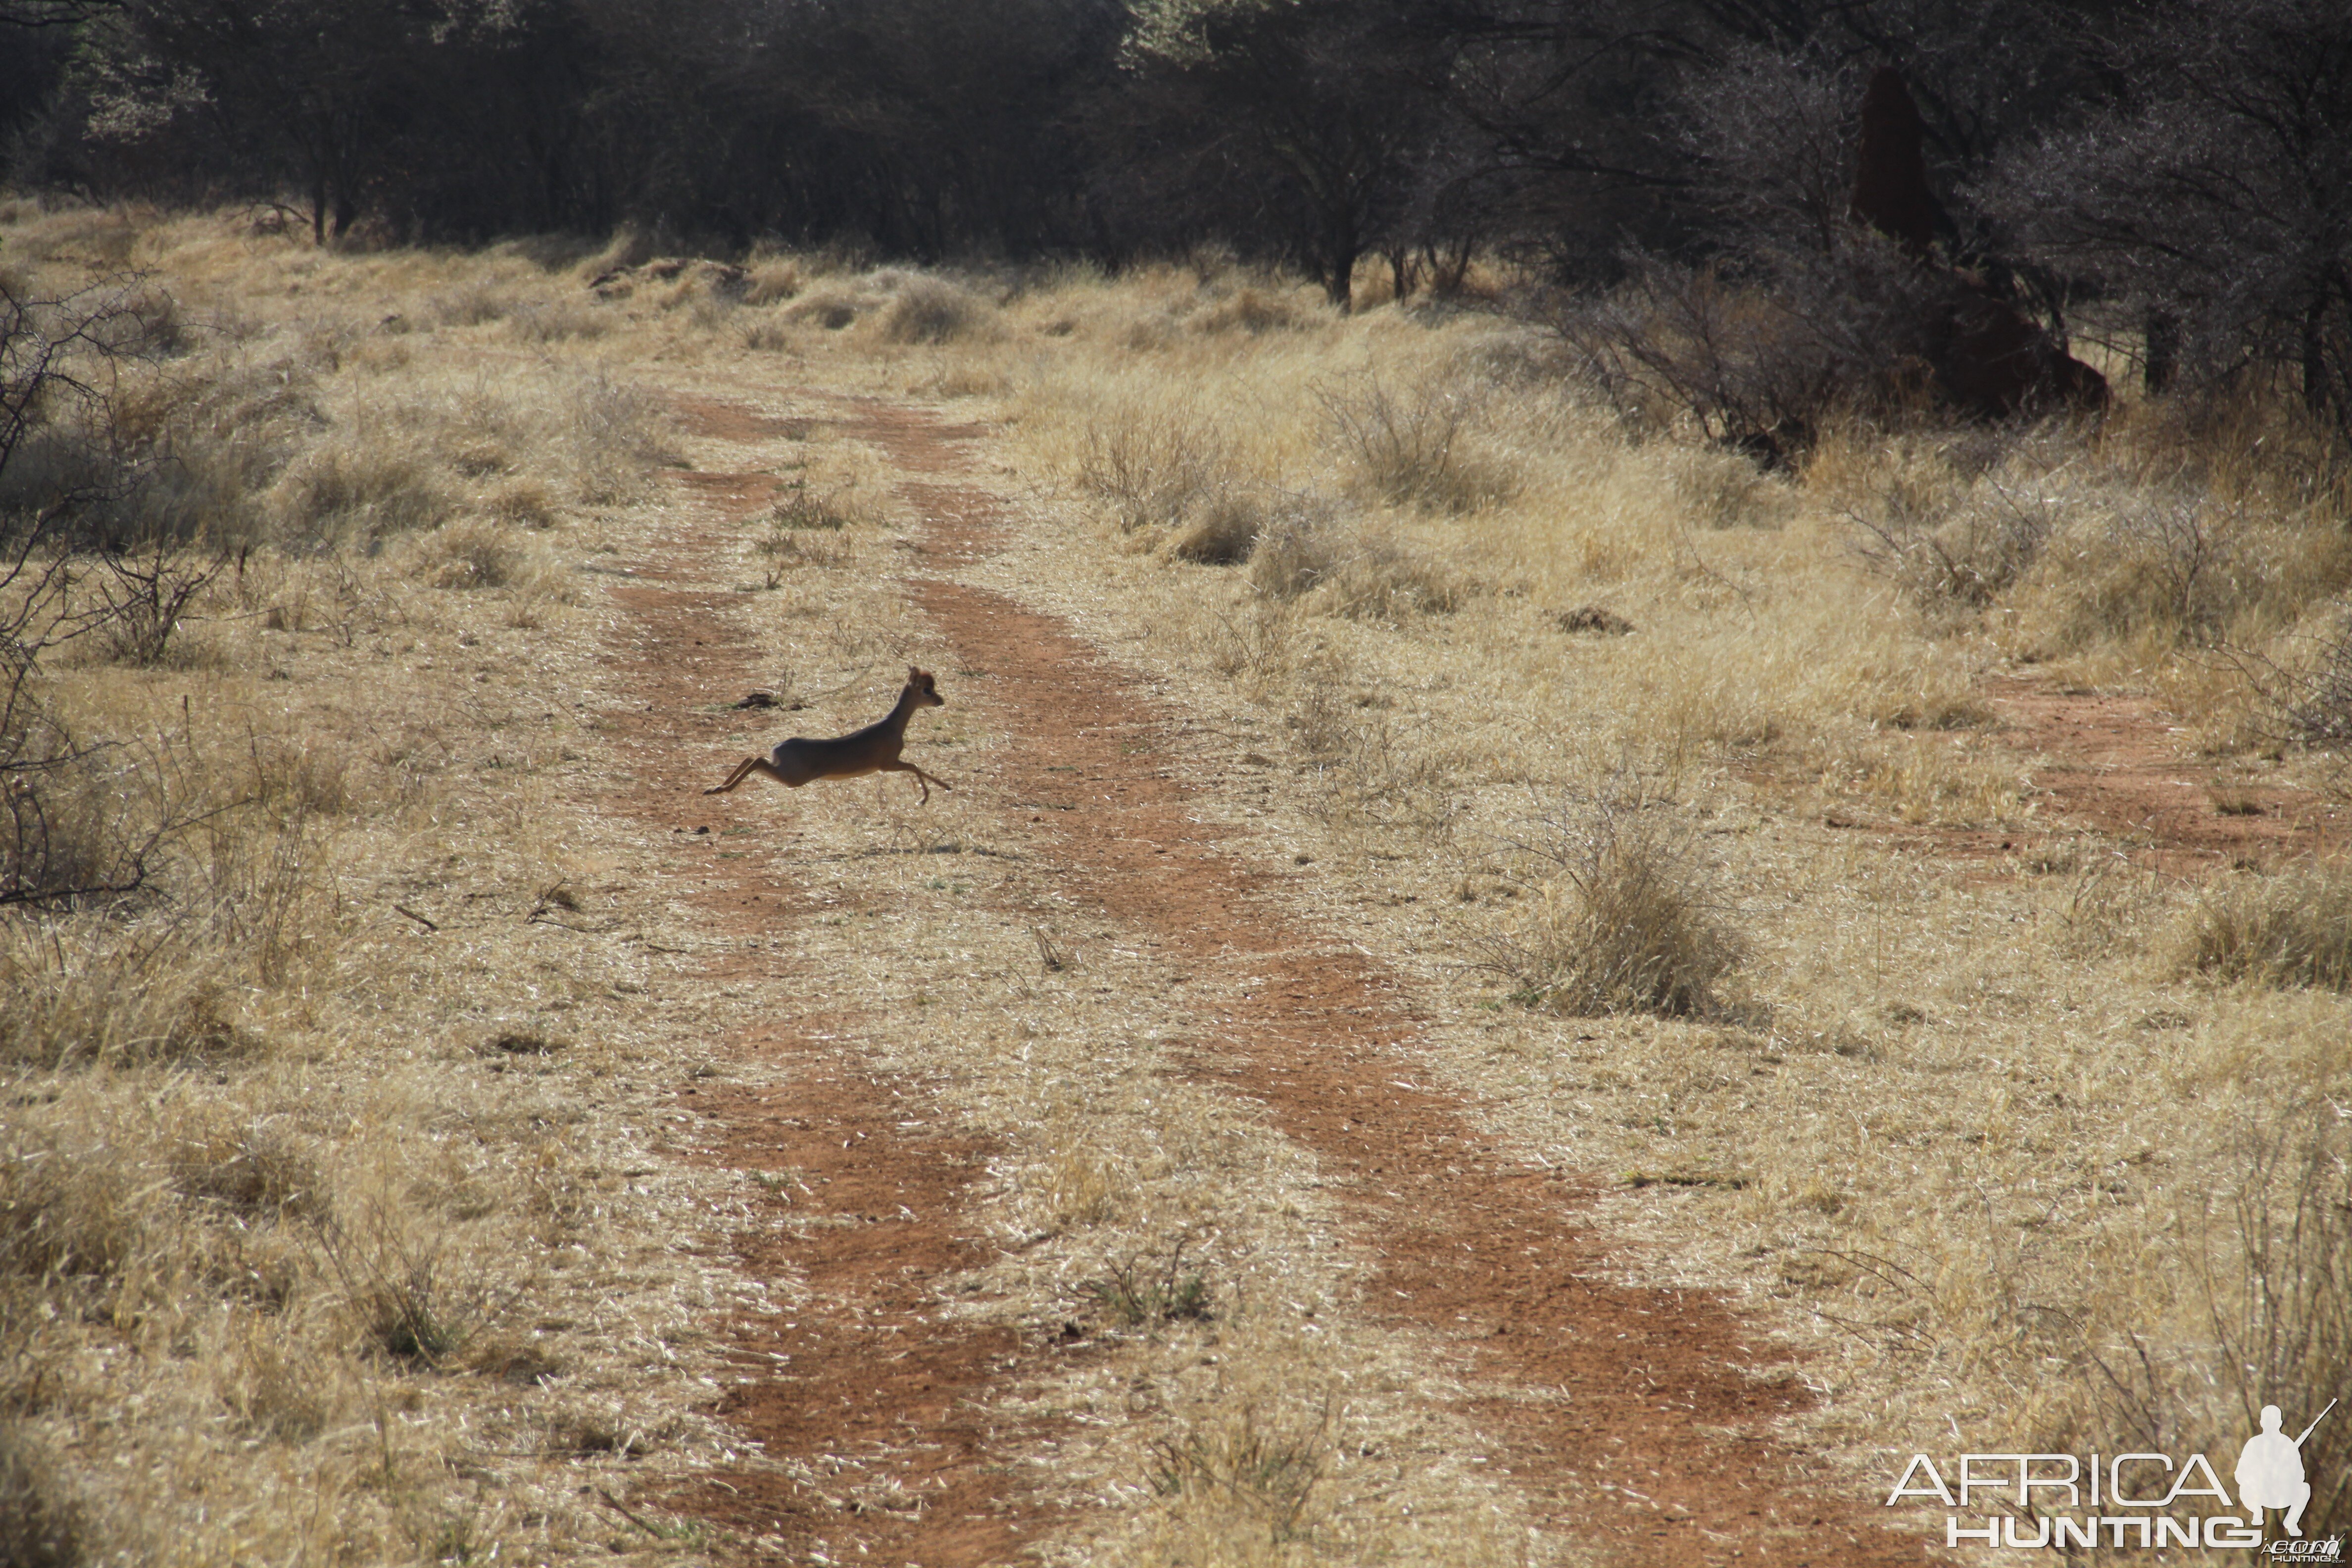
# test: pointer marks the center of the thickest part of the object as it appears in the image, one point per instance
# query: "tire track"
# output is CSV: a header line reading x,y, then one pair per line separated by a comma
x,y
1650,1441
867,1394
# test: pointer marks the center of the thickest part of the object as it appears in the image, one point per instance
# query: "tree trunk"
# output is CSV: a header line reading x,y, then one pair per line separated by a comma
x,y
1339,286
2163,333
2315,355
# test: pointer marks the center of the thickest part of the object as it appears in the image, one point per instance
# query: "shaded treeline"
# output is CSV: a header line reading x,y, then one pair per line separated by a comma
x,y
2188,160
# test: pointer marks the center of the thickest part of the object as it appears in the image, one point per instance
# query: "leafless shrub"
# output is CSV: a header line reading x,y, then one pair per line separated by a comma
x,y
1253,645
1762,363
1621,919
1373,771
145,593
2292,928
2310,703
1144,1292
1967,556
72,475
619,433
2267,1321
1155,465
2166,564
84,821
1407,445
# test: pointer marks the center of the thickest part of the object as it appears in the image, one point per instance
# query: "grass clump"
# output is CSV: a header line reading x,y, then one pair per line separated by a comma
x,y
1249,1459
1362,570
68,1209
1622,921
1410,448
401,1296
361,487
933,310
1139,1293
1252,309
2293,928
1223,529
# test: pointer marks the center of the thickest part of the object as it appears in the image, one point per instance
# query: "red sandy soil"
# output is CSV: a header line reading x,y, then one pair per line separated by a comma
x,y
1661,1451
2120,764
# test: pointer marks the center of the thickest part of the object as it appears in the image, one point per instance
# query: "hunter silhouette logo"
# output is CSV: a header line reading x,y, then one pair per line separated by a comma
x,y
2269,1471
2143,1500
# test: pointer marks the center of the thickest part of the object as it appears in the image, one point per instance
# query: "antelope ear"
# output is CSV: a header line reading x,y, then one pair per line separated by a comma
x,y
913,674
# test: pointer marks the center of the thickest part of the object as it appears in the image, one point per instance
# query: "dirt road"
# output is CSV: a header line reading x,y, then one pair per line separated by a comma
x,y
1651,1440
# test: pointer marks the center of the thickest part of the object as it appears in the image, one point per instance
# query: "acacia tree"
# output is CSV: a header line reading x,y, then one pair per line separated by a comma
x,y
1325,107
933,126
322,89
2218,192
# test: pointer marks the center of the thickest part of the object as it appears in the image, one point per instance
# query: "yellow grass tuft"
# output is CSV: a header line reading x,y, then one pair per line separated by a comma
x,y
2291,928
1620,916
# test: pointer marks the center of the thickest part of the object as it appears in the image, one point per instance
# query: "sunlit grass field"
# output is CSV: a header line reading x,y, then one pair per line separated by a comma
x,y
332,1221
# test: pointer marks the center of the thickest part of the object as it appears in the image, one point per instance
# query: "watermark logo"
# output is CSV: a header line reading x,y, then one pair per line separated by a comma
x,y
2269,1471
2072,1502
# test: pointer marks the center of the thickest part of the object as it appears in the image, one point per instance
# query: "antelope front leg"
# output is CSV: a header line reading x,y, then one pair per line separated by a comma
x,y
923,781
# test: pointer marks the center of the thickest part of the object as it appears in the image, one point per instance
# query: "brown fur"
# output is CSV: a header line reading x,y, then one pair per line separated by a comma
x,y
873,750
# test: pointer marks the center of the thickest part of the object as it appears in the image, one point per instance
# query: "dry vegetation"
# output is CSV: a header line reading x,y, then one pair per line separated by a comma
x,y
1971,1131
331,1225
311,1128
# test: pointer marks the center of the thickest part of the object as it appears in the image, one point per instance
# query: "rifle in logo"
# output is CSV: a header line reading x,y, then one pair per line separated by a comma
x,y
2269,1471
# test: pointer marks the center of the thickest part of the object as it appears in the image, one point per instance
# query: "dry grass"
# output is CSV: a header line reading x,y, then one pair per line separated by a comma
x,y
1916,1140
2293,928
253,1188
1618,916
933,310
1973,1133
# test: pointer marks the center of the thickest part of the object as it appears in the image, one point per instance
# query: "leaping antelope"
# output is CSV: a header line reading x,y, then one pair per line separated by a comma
x,y
873,750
